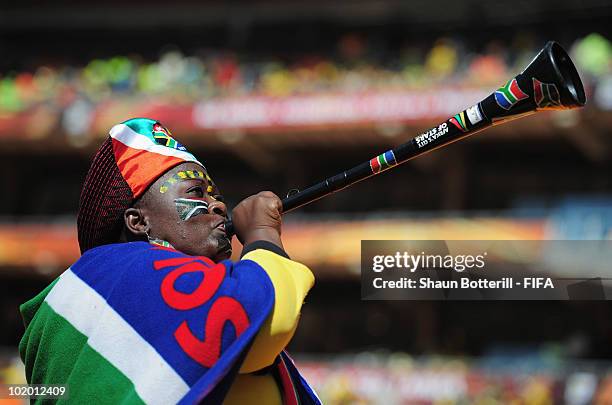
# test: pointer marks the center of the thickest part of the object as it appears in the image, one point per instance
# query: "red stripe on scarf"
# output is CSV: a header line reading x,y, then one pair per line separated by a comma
x,y
290,396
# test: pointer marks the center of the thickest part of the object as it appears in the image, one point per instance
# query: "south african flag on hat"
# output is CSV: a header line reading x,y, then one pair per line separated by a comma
x,y
144,149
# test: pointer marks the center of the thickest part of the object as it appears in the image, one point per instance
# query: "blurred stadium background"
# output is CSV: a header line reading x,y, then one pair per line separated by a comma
x,y
280,94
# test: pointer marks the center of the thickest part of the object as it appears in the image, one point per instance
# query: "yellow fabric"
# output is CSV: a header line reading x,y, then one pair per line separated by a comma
x,y
254,389
291,281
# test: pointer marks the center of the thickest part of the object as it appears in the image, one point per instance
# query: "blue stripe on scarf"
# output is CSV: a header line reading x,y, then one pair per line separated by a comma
x,y
124,275
305,392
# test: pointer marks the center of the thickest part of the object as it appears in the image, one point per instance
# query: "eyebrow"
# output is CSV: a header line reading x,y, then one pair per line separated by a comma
x,y
187,175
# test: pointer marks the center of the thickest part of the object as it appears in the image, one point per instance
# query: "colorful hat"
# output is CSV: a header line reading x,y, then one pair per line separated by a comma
x,y
136,153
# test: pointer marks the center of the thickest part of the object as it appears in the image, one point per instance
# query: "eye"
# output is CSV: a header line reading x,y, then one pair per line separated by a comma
x,y
197,190
219,198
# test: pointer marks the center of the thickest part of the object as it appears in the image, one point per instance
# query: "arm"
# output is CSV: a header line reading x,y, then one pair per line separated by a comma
x,y
258,227
291,281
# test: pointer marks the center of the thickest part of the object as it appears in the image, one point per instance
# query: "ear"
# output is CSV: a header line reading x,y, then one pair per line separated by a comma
x,y
136,222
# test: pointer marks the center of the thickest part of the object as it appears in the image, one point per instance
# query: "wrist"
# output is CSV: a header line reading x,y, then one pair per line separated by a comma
x,y
260,244
266,234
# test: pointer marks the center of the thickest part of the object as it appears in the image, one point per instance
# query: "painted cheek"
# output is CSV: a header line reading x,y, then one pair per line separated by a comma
x,y
188,208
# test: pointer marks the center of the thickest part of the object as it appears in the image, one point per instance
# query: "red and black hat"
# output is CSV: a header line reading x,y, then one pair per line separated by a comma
x,y
136,153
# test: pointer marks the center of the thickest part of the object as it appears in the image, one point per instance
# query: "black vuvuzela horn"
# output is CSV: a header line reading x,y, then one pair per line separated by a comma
x,y
549,82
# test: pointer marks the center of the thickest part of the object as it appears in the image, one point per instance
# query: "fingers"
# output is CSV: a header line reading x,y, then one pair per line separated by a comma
x,y
258,217
273,203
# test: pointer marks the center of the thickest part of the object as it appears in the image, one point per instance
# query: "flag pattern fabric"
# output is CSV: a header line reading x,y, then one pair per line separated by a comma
x,y
144,150
139,323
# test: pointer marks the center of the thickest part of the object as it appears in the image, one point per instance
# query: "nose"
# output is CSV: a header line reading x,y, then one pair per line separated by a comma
x,y
217,207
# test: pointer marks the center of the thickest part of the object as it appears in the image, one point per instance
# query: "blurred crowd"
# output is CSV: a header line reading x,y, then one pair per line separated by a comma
x,y
397,378
355,66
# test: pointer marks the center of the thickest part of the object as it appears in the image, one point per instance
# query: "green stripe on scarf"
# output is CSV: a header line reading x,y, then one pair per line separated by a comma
x,y
90,377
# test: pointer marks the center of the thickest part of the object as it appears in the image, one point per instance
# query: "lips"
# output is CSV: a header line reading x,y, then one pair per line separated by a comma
x,y
221,226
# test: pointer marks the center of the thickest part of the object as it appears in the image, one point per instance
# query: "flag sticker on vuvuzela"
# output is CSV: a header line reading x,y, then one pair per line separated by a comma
x,y
510,94
383,162
459,121
545,94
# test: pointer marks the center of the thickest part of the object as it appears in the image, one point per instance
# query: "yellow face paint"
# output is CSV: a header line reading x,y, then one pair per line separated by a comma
x,y
210,187
186,175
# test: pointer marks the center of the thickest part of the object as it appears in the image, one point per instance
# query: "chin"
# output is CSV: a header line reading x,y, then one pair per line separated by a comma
x,y
224,250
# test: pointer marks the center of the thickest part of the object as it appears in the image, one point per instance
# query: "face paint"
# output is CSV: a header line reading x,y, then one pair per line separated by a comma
x,y
209,189
188,208
183,175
